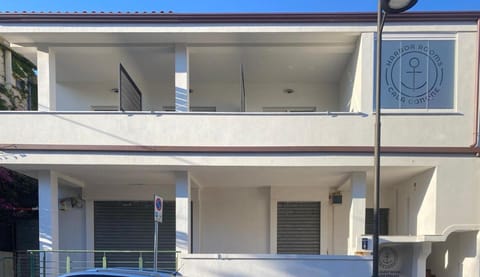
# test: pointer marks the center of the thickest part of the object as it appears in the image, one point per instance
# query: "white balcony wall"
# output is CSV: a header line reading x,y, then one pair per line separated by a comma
x,y
172,129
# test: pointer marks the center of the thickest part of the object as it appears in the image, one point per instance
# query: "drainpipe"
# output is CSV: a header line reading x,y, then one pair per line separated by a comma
x,y
477,92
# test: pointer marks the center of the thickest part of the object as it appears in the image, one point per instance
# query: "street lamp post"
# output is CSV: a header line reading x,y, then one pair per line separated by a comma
x,y
384,7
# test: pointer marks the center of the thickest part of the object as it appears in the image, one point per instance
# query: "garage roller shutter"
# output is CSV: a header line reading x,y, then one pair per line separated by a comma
x,y
129,225
298,227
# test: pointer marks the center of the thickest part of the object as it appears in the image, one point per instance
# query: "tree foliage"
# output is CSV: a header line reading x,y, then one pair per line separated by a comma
x,y
15,96
18,195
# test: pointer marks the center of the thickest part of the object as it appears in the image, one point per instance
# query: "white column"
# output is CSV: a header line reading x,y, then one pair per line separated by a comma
x,y
421,251
48,217
182,212
356,226
46,79
182,82
89,231
8,68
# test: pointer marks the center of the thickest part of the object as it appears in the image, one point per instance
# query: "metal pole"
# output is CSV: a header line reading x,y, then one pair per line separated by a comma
x,y
376,190
155,247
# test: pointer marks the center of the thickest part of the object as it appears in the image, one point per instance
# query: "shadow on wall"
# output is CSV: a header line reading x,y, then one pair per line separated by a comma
x,y
456,257
415,206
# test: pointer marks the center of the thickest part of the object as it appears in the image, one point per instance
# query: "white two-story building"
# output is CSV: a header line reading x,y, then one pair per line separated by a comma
x,y
258,131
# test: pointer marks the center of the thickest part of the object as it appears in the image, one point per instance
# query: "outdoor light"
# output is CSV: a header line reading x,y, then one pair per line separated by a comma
x,y
384,7
397,6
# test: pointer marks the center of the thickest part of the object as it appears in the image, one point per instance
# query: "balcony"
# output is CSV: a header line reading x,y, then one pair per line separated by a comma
x,y
227,129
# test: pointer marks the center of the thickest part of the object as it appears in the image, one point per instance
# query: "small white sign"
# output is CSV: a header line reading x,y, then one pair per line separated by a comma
x,y
158,208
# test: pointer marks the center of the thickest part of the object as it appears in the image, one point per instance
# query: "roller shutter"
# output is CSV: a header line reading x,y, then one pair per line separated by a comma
x,y
298,227
369,221
129,225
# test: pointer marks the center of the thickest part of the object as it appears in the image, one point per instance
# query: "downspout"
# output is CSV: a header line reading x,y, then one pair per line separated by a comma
x,y
474,145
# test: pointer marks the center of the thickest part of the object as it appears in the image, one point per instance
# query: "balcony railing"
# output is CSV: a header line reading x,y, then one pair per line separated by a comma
x,y
41,263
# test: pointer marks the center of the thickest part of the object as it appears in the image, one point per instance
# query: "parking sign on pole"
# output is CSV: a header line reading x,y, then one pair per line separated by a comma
x,y
158,210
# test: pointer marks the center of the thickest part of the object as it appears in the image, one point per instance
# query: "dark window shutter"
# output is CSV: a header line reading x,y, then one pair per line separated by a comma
x,y
298,227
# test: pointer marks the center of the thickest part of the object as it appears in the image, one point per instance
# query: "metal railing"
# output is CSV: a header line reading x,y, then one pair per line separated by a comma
x,y
6,266
45,263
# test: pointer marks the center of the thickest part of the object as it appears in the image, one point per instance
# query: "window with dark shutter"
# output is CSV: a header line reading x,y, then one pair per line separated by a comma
x,y
383,221
298,227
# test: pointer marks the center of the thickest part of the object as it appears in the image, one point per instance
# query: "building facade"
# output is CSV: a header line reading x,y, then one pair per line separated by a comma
x,y
257,130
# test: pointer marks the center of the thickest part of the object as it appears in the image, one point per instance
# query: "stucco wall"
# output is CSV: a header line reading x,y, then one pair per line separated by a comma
x,y
270,265
457,193
414,205
71,221
234,220
356,81
456,257
225,97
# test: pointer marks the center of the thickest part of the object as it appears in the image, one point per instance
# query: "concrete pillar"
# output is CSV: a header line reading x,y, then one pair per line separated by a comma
x,y
90,232
46,79
182,212
182,82
48,218
356,226
9,80
421,251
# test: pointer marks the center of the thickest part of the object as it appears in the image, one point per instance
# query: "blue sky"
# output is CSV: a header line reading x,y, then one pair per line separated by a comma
x,y
182,6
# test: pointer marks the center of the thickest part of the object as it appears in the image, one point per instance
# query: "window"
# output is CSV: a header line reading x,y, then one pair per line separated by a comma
x,y
383,221
418,74
298,227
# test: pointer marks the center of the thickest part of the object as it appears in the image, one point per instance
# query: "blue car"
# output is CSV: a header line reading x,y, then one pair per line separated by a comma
x,y
120,272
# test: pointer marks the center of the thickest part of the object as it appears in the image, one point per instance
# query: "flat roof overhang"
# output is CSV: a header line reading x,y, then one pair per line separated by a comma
x,y
226,18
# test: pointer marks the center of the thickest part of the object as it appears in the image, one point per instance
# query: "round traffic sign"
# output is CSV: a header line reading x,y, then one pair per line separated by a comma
x,y
158,204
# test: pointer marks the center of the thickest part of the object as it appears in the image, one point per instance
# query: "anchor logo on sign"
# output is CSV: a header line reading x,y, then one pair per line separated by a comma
x,y
413,74
414,63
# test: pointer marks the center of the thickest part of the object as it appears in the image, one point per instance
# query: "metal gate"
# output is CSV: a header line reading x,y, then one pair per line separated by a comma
x,y
129,225
298,227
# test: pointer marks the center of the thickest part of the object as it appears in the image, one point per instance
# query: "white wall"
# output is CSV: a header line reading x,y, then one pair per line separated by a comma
x,y
324,97
71,221
226,96
458,182
356,81
349,84
234,220
74,96
295,193
415,207
176,129
128,192
340,222
273,265
456,257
